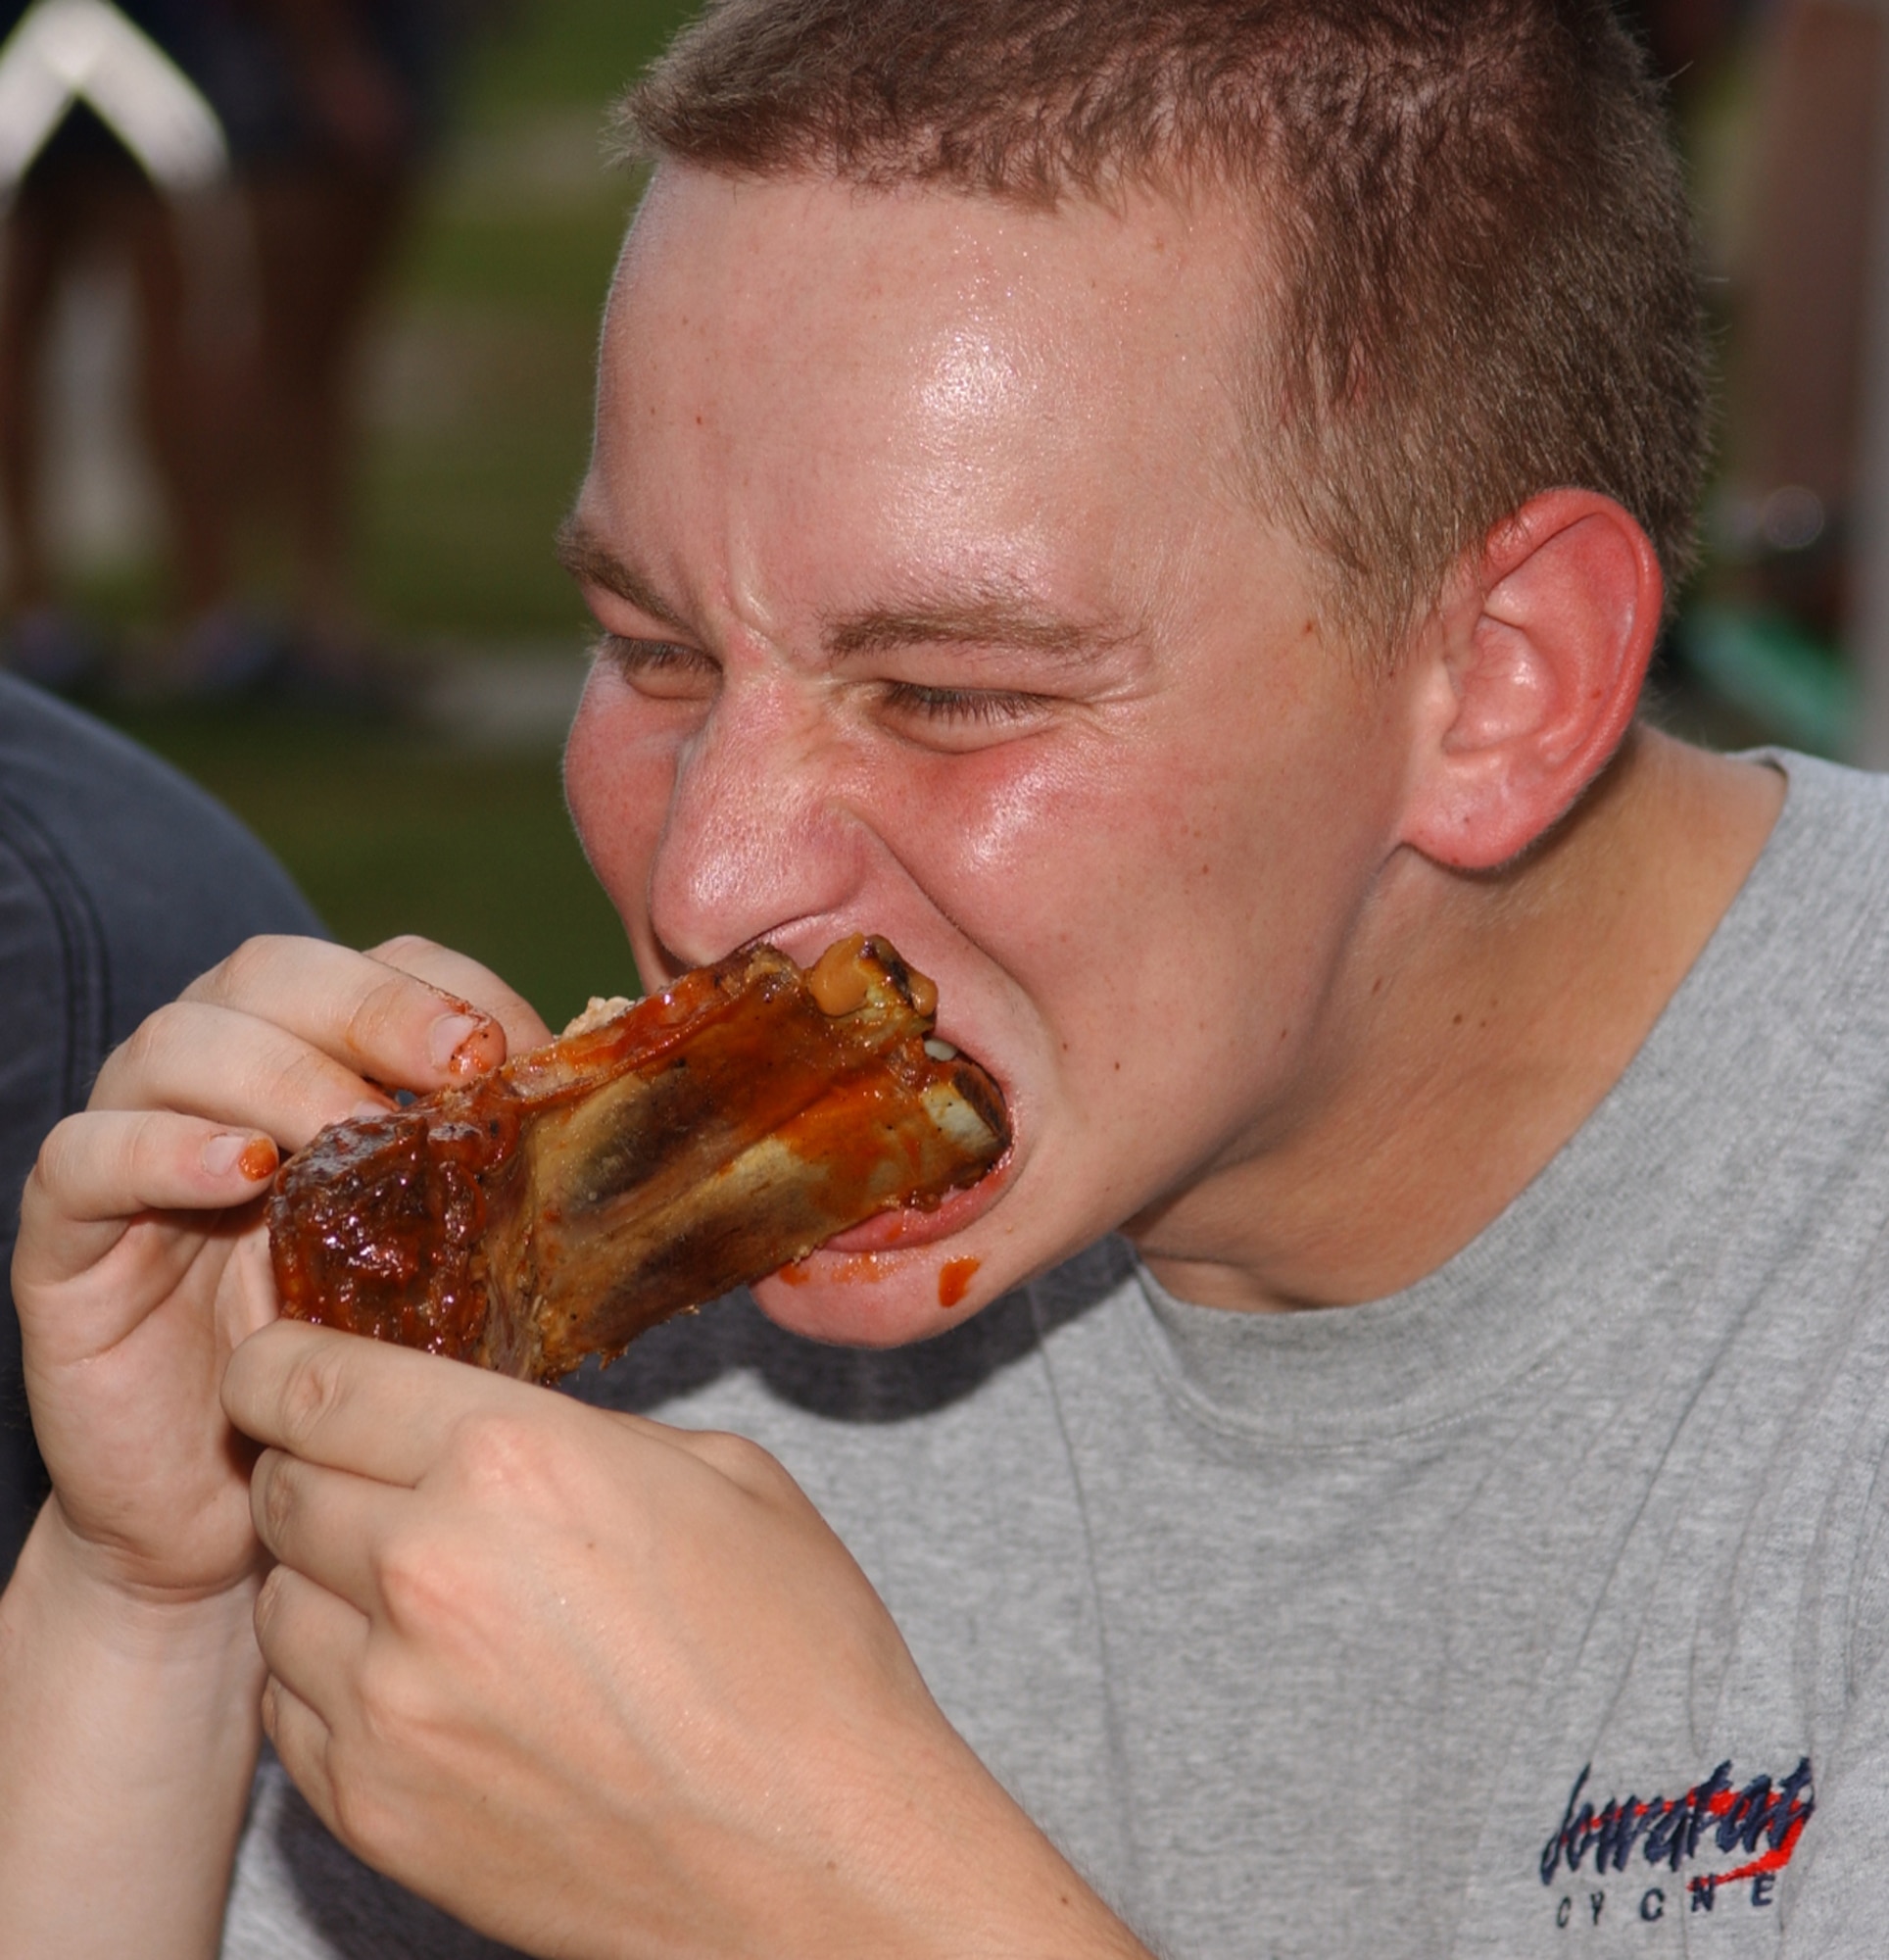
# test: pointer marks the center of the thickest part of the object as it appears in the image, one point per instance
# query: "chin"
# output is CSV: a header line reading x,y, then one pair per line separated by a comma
x,y
863,1300
900,1278
878,1299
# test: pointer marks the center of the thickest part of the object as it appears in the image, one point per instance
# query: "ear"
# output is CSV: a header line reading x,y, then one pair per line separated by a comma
x,y
1532,669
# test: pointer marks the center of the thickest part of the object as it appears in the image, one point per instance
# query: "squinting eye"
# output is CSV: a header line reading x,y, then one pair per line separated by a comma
x,y
659,668
975,706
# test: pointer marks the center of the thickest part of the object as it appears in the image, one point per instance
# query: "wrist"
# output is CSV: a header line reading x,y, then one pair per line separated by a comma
x,y
975,1876
128,1725
83,1588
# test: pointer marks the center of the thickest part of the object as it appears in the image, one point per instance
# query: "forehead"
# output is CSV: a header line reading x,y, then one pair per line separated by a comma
x,y
913,364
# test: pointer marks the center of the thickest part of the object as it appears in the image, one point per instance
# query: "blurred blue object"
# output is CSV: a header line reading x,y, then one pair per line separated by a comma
x,y
1795,687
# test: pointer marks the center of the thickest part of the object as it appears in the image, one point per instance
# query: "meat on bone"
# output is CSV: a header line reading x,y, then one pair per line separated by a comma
x,y
694,1142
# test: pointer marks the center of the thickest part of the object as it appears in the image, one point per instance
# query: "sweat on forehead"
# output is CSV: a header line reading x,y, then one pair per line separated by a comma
x,y
1480,251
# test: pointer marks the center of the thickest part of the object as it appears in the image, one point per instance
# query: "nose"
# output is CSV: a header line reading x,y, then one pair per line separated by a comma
x,y
758,842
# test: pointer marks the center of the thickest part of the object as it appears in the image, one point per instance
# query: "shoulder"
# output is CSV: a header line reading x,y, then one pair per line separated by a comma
x,y
120,862
1827,853
1798,971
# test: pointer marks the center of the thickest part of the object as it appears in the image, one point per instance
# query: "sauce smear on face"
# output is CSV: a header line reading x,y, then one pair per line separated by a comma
x,y
954,1277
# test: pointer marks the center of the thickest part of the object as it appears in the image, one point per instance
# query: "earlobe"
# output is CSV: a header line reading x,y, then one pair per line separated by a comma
x,y
1533,667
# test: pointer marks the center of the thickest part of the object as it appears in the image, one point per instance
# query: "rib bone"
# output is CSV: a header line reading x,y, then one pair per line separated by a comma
x,y
579,1194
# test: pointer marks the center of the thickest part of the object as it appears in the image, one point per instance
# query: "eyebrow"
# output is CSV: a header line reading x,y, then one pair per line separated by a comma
x,y
987,620
591,561
993,621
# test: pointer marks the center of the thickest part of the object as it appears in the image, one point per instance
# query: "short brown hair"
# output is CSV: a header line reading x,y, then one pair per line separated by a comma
x,y
1483,278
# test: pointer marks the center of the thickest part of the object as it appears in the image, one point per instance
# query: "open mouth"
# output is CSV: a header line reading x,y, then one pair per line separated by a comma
x,y
670,1152
913,1225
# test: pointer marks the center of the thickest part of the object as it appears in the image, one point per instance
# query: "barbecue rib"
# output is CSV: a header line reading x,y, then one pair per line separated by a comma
x,y
692,1143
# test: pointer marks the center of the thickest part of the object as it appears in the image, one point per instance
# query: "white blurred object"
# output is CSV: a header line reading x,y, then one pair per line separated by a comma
x,y
103,506
68,51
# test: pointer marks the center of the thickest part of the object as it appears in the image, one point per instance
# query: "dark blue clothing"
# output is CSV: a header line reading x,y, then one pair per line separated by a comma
x,y
120,883
238,56
248,68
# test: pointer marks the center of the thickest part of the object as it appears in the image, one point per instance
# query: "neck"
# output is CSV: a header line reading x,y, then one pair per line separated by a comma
x,y
1474,1026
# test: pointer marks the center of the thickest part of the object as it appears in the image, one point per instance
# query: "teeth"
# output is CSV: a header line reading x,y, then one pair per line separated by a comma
x,y
940,1050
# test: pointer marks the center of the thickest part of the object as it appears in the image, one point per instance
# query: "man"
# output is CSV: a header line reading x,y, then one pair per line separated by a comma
x,y
1159,509
86,197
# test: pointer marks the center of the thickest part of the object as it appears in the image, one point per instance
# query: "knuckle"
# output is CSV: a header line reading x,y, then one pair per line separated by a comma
x,y
497,1454
359,1816
149,1143
311,1388
387,1010
405,948
416,1581
61,1157
744,1464
143,1052
268,1602
274,1503
308,1080
392,1707
251,969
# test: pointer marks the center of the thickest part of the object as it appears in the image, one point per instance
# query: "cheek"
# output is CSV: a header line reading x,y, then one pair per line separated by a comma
x,y
619,778
1170,902
1057,864
1020,844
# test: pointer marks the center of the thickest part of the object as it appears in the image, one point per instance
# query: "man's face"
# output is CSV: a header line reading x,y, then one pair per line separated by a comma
x,y
934,609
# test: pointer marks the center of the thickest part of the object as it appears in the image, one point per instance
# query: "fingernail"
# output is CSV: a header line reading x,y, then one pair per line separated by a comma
x,y
253,1156
366,1112
461,1044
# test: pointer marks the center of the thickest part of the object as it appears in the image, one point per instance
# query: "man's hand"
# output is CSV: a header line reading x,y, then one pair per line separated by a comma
x,y
600,1687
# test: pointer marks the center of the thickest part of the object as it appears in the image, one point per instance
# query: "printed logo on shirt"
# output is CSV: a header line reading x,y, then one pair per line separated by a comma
x,y
1722,1839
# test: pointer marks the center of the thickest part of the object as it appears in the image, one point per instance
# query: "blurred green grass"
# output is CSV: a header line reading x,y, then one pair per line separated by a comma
x,y
388,832
478,427
482,393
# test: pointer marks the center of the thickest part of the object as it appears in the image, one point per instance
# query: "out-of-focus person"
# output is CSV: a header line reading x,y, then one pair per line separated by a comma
x,y
1686,39
1798,372
119,882
331,106
83,198
248,393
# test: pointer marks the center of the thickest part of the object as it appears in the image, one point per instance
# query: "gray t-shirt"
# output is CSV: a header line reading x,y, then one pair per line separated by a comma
x,y
1538,1610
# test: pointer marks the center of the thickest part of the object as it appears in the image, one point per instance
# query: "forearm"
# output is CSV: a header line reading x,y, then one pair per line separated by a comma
x,y
975,1877
128,1734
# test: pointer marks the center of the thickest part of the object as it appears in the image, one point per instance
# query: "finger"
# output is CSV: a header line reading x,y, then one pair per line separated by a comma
x,y
465,979
322,1522
301,1739
350,1403
381,1022
97,1171
246,1297
232,1068
312,1641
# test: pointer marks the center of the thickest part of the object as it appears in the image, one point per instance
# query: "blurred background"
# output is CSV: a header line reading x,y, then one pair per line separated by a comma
x,y
290,406
297,300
